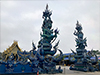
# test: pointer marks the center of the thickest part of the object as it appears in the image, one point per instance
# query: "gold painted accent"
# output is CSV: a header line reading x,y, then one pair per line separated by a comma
x,y
6,65
12,49
22,71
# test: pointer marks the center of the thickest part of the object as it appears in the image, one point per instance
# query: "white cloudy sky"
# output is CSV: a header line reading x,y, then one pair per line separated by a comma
x,y
22,21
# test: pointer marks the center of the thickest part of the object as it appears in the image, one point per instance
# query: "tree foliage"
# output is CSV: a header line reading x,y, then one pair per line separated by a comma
x,y
96,52
0,55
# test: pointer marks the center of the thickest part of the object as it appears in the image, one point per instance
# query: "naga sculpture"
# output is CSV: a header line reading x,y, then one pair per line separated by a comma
x,y
83,61
40,60
24,56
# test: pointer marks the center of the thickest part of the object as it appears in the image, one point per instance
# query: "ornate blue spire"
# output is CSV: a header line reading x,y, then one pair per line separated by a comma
x,y
83,61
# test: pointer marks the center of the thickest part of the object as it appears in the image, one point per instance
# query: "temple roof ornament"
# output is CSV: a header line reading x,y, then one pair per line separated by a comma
x,y
12,49
47,7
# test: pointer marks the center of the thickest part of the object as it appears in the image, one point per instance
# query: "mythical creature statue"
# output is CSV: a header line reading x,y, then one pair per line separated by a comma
x,y
24,56
49,63
34,62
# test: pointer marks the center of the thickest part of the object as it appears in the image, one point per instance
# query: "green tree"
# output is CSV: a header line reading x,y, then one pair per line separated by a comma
x,y
0,55
97,52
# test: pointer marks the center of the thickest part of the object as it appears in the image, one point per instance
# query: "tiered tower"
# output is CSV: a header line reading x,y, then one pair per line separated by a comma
x,y
80,41
83,61
48,35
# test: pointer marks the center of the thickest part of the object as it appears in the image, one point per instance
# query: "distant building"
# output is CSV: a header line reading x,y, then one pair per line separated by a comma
x,y
69,58
93,58
12,49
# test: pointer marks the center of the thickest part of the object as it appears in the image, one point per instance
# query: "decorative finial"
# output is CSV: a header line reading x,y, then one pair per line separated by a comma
x,y
47,7
77,23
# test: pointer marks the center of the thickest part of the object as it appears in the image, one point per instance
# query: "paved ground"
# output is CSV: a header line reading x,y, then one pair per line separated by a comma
x,y
66,71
